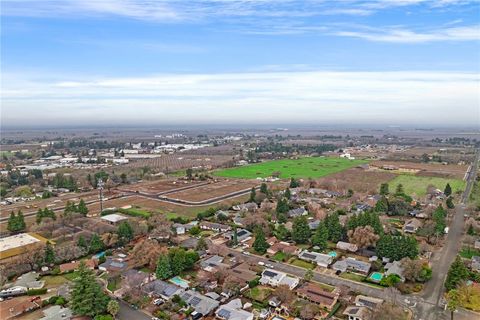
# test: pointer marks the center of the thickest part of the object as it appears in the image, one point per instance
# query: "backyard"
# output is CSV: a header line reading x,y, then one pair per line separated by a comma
x,y
309,167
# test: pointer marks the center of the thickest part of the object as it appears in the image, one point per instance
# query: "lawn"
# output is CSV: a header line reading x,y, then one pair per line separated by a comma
x,y
51,281
280,256
468,252
418,185
302,264
258,293
309,167
352,276
136,212
71,275
113,284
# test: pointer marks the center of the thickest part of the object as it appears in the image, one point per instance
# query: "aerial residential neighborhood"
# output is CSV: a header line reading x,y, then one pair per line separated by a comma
x,y
239,160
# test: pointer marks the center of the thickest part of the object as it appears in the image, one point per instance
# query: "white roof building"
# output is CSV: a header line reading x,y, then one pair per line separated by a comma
x,y
278,278
114,218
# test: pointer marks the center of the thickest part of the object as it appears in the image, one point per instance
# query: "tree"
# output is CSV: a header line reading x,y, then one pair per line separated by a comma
x,y
82,243
189,173
282,232
449,203
82,208
384,189
308,275
201,244
453,301
260,244
284,294
49,257
387,311
335,229
113,307
415,270
382,205
457,273
300,230
16,222
264,188
439,217
123,178
87,297
125,232
397,247
96,244
253,194
448,190
287,193
282,206
177,258
390,281
399,190
320,237
164,270
294,183
235,236
363,237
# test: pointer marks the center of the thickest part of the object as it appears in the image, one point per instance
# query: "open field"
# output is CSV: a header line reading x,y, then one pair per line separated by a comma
x,y
174,162
425,169
155,187
356,179
213,190
310,167
418,185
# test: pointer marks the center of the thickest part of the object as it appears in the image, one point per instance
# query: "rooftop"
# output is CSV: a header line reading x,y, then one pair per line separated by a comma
x,y
114,217
8,244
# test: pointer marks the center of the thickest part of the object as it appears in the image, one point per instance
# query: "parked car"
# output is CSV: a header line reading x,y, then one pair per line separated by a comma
x,y
261,263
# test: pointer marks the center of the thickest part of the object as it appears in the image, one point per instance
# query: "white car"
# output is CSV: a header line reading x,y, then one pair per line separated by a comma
x,y
270,266
158,302
246,253
261,263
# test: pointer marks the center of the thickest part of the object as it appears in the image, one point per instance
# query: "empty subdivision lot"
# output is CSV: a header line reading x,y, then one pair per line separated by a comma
x,y
212,190
156,187
309,167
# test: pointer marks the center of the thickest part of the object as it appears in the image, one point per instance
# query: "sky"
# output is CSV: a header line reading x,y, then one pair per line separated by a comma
x,y
164,62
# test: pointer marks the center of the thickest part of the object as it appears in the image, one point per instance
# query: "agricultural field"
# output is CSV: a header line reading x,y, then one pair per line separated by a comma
x,y
310,167
212,190
175,162
418,185
423,169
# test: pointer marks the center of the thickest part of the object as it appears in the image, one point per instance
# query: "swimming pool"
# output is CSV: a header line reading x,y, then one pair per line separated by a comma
x,y
332,254
180,282
376,276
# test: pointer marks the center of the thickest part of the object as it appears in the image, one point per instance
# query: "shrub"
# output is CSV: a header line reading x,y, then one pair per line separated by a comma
x,y
35,292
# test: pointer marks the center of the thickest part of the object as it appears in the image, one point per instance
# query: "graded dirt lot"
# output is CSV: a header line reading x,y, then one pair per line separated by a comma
x,y
423,169
175,162
357,179
213,190
155,187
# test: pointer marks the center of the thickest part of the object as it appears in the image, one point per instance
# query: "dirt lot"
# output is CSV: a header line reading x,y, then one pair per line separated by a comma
x,y
175,162
425,169
356,179
213,190
156,187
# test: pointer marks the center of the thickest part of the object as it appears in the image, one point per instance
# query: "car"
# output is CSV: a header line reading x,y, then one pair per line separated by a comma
x,y
246,253
270,266
158,302
261,263
155,318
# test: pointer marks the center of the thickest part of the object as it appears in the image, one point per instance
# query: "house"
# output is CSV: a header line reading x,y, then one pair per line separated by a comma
x,y
136,277
16,309
352,264
71,266
242,235
250,206
242,273
217,227
161,289
276,278
477,244
293,213
322,260
284,247
362,207
233,311
314,224
356,313
395,267
368,302
114,218
476,263
211,263
112,265
272,240
179,228
314,293
346,246
412,225
202,305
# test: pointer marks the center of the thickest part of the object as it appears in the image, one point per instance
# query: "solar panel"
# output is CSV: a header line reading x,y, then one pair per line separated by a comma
x,y
195,301
309,256
224,314
269,273
187,296
241,233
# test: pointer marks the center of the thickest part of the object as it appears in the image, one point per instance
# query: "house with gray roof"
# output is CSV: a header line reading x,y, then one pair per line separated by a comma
x,y
293,213
162,289
242,235
202,305
233,311
395,267
352,264
322,260
112,265
209,264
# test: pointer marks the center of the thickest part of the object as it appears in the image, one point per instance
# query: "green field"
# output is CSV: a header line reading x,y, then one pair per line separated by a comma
x,y
418,185
314,167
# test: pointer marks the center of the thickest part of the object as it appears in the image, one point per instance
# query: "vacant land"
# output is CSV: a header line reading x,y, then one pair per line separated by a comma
x,y
424,169
357,179
174,162
418,185
312,167
155,187
212,190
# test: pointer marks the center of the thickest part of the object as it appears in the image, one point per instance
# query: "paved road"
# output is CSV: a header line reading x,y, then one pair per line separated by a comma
x,y
128,313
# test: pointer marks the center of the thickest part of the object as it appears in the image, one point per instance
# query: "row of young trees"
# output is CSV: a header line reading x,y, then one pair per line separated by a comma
x,y
16,222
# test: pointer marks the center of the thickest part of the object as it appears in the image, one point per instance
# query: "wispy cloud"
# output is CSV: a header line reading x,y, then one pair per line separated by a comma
x,y
274,97
401,35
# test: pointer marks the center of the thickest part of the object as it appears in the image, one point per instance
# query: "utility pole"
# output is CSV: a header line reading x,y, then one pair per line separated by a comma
x,y
100,185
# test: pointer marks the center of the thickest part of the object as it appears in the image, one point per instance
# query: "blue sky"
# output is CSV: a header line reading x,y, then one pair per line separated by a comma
x,y
77,62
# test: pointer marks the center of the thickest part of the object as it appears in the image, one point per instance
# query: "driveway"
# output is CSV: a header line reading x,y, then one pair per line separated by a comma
x,y
128,313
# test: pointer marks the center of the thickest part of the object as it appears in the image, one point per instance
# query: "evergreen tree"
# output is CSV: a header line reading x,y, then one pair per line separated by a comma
x,y
49,257
457,273
16,222
82,243
264,189
260,244
300,230
177,258
282,206
399,189
439,217
201,244
96,244
125,233
335,229
12,220
113,307
397,247
253,195
381,205
288,194
123,177
164,270
235,236
320,237
449,203
87,297
384,189
294,183
21,225
82,207
281,232
448,190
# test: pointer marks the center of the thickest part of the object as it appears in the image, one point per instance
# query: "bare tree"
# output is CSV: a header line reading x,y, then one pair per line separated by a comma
x,y
363,237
